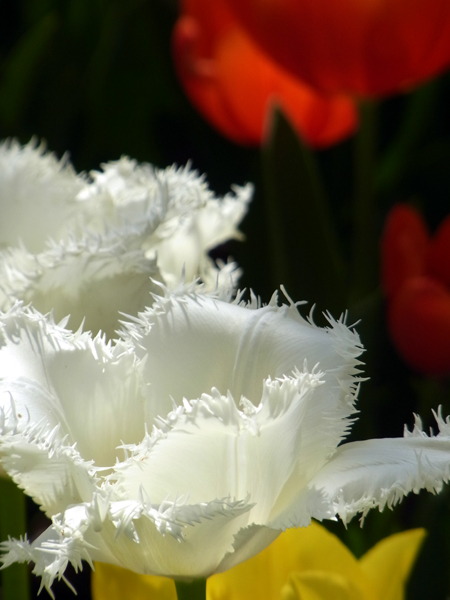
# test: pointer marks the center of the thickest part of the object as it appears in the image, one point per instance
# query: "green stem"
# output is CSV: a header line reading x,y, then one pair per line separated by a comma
x,y
420,109
15,580
192,590
365,242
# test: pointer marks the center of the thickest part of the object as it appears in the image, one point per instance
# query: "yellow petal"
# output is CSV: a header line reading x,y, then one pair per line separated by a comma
x,y
114,583
389,562
305,549
320,585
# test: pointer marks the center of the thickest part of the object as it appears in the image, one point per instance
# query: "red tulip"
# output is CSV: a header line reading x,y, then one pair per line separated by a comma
x,y
364,47
404,246
235,85
416,280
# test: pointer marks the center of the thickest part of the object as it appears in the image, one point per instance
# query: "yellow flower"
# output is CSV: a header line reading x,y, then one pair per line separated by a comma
x,y
301,564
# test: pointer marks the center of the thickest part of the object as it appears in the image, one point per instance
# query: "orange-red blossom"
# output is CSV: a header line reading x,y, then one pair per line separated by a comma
x,y
235,85
416,280
363,47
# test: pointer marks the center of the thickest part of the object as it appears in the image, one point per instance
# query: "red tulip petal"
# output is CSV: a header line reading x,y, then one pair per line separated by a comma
x,y
438,259
197,72
403,248
363,47
419,325
252,84
234,85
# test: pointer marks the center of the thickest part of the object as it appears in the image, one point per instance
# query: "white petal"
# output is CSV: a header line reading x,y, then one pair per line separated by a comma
x,y
247,542
86,391
51,472
52,551
219,275
92,279
176,540
230,346
125,193
179,216
376,473
196,233
268,454
165,540
37,195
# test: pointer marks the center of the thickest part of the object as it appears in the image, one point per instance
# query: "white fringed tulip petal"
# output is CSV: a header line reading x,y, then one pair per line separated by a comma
x,y
237,347
168,539
186,447
92,279
65,404
194,234
94,248
37,195
378,473
178,216
134,535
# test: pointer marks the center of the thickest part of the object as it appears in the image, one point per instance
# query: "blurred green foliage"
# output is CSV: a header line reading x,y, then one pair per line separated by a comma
x,y
95,78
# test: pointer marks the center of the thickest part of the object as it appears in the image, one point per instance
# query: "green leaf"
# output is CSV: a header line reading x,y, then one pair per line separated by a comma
x,y
15,580
304,247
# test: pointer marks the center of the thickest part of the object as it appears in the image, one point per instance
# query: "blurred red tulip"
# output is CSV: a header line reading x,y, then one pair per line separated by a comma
x,y
415,271
235,85
363,47
404,247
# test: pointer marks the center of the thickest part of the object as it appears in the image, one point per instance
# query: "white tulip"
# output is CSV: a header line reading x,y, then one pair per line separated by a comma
x,y
178,217
186,446
92,247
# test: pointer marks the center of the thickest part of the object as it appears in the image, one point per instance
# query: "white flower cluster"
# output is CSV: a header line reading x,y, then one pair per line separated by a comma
x,y
94,247
200,426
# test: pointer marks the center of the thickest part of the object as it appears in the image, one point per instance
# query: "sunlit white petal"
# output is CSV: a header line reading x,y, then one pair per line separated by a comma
x,y
67,401
379,473
37,195
92,279
186,446
93,248
178,216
